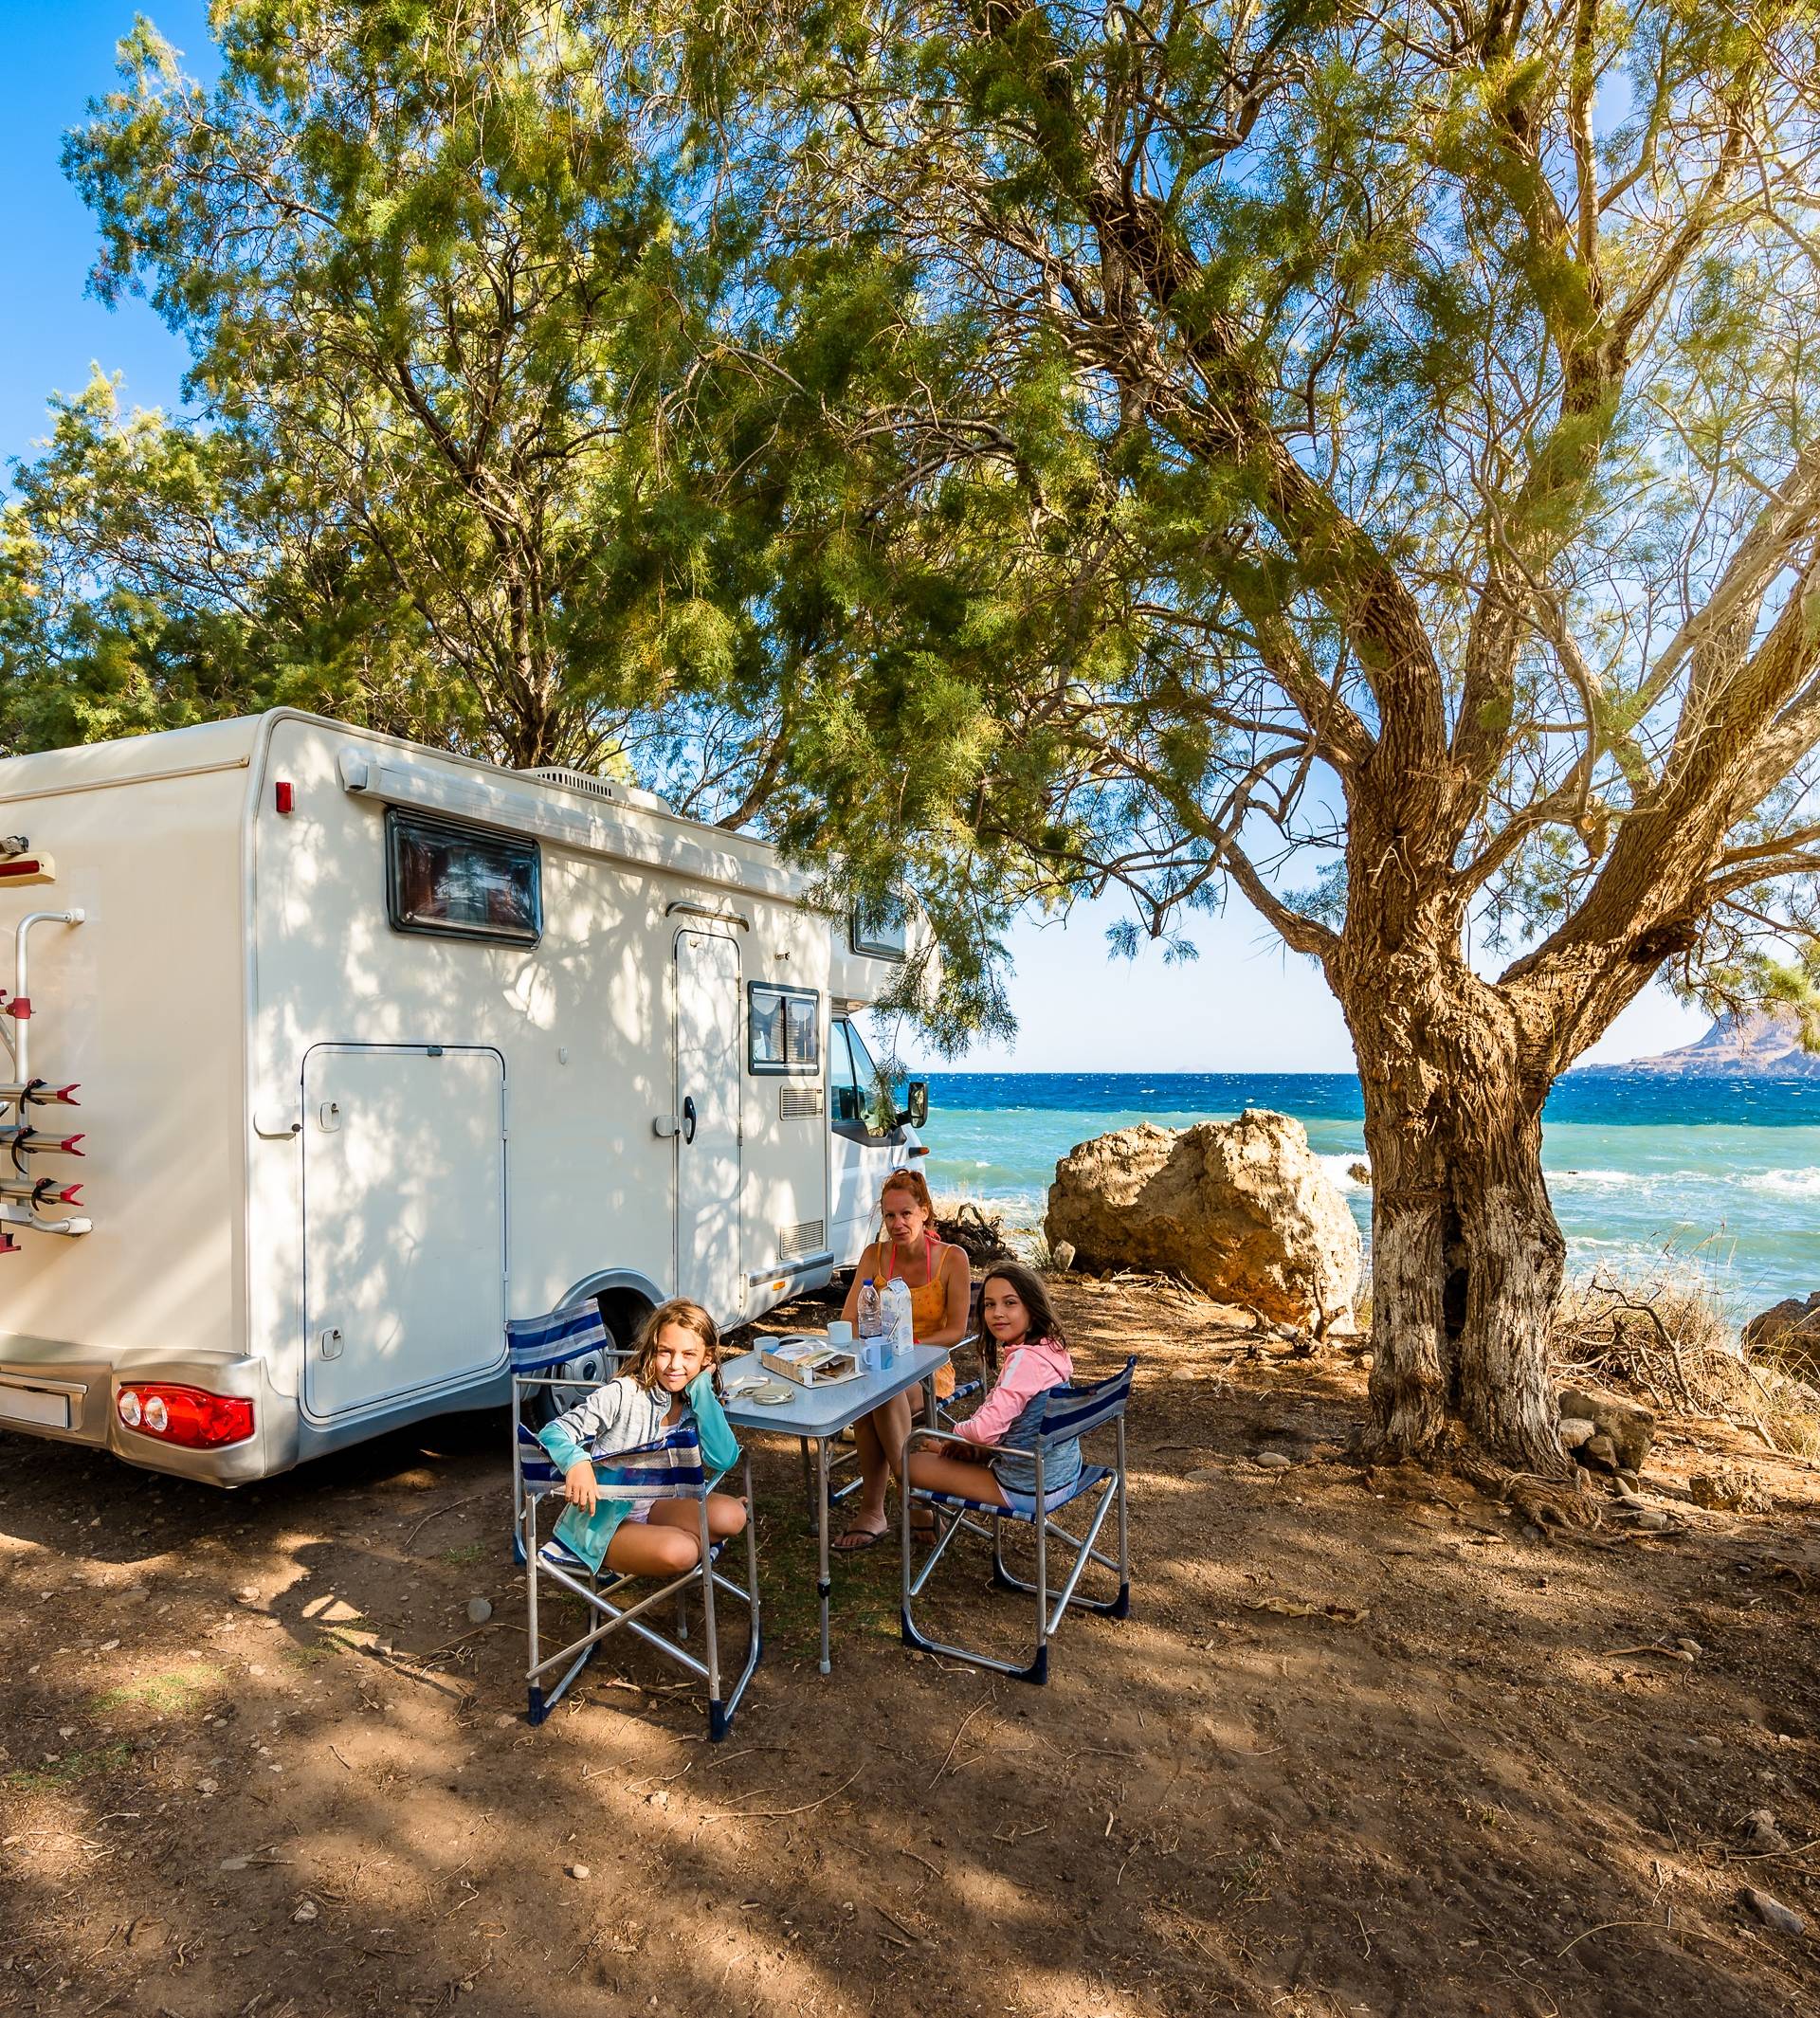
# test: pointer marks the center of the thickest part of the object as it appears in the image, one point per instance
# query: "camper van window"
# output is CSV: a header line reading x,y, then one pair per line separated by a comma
x,y
784,1026
845,1105
451,880
853,1088
876,938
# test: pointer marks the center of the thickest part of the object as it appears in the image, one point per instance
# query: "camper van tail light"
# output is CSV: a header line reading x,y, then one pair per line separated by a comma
x,y
21,867
282,796
188,1416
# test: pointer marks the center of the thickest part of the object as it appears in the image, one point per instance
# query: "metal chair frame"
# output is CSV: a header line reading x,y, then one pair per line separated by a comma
x,y
1070,1411
538,1345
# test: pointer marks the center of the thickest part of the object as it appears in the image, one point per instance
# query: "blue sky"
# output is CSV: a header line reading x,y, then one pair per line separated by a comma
x,y
1246,1005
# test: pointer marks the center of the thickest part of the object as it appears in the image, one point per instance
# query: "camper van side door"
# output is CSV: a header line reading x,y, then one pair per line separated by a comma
x,y
708,1092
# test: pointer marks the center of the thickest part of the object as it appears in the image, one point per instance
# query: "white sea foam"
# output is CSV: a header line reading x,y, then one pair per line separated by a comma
x,y
1784,1184
1340,1168
1595,1180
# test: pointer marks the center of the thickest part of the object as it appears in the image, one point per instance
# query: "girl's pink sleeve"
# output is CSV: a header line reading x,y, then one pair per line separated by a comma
x,y
1025,1374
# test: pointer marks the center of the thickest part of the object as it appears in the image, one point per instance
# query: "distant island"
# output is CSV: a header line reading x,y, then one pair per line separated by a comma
x,y
1764,1044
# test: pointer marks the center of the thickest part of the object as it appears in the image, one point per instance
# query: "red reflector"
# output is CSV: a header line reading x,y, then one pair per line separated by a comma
x,y
282,795
20,865
192,1416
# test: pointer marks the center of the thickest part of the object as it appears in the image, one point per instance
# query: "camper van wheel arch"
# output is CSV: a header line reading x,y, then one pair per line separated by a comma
x,y
623,1310
623,1306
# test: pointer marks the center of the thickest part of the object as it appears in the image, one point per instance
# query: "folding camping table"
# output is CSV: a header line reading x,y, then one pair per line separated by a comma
x,y
817,1415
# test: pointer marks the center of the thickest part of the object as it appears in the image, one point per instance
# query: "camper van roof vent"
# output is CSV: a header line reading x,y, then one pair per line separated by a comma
x,y
607,789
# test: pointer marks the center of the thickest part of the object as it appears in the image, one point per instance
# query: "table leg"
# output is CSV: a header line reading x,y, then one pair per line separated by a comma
x,y
808,1474
822,1586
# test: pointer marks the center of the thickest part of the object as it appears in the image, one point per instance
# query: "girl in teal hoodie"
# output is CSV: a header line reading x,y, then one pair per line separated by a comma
x,y
643,1529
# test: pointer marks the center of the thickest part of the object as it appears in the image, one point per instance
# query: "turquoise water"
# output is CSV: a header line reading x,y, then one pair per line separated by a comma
x,y
1719,1177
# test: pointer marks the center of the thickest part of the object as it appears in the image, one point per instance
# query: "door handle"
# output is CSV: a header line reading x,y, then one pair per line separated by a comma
x,y
688,1118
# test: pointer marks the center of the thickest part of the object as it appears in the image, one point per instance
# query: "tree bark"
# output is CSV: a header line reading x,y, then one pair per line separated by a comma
x,y
1467,1256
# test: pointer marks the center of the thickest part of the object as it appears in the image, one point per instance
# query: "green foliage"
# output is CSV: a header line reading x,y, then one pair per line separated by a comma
x,y
1015,451
1202,438
440,304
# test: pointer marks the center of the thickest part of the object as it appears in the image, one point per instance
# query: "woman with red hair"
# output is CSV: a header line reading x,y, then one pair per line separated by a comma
x,y
940,1292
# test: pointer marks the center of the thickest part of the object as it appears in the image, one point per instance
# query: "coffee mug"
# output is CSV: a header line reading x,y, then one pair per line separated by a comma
x,y
840,1333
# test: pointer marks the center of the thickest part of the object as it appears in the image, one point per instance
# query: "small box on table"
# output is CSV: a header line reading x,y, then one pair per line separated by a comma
x,y
809,1362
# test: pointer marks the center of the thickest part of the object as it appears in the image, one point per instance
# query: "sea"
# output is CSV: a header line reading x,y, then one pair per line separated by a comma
x,y
1651,1177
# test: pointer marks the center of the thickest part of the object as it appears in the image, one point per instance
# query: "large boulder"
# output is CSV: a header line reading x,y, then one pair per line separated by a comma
x,y
1241,1208
1789,1332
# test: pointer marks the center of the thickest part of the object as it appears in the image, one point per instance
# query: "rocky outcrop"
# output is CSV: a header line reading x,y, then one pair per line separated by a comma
x,y
1760,1043
1241,1208
1789,1332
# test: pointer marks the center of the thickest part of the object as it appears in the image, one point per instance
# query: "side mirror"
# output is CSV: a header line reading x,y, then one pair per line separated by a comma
x,y
917,1113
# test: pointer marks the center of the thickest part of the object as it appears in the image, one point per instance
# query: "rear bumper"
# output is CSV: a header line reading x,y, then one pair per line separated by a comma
x,y
65,1395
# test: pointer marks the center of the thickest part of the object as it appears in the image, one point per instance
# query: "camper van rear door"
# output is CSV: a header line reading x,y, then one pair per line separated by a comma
x,y
707,1158
403,1222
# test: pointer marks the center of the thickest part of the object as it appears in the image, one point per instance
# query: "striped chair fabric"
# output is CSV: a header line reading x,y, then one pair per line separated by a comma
x,y
540,1345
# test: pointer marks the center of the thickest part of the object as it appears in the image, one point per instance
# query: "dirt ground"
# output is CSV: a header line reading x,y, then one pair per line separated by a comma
x,y
257,1761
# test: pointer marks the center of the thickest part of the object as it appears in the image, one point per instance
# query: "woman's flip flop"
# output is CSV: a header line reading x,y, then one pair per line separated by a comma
x,y
855,1541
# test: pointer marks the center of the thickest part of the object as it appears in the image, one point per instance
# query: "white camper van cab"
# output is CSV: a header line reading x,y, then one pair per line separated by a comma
x,y
372,1047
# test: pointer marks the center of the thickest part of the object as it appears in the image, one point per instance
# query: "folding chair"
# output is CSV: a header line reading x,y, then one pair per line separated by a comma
x,y
1068,1412
564,1357
673,1461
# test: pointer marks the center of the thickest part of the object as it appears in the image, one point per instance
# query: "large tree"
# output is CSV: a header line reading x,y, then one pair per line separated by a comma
x,y
1361,455
437,271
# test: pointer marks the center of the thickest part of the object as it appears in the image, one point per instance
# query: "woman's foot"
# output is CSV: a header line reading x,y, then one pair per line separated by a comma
x,y
860,1536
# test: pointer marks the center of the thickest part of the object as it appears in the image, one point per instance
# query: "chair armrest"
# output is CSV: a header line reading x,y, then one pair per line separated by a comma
x,y
947,1436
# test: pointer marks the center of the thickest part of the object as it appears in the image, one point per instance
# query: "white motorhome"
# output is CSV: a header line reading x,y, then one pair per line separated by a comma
x,y
374,1047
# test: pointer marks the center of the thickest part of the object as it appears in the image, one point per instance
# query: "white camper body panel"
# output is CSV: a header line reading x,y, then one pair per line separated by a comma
x,y
327,1157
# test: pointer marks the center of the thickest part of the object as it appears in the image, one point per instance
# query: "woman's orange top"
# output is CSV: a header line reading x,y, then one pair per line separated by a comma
x,y
929,1304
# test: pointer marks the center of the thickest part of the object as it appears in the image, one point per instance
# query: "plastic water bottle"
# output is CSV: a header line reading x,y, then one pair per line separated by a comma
x,y
869,1318
900,1323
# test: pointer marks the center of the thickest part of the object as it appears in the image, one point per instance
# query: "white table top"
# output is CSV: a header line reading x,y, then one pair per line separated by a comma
x,y
824,1411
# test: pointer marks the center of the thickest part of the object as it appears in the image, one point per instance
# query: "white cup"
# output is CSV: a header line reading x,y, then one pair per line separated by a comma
x,y
840,1333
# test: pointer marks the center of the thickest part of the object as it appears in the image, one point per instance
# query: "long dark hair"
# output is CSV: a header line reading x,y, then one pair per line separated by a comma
x,y
1032,1294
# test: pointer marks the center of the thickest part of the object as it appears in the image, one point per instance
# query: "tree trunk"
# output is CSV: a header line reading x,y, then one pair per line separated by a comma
x,y
1467,1257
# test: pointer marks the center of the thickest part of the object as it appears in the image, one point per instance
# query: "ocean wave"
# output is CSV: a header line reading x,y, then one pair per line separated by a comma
x,y
1339,1166
1784,1184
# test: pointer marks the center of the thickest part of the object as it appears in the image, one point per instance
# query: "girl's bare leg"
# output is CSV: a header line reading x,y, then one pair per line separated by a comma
x,y
939,1474
726,1516
652,1547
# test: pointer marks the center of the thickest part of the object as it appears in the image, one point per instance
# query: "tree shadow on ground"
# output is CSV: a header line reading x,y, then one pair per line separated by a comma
x,y
292,1777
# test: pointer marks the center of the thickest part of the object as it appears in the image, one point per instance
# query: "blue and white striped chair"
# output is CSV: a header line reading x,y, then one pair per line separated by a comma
x,y
559,1359
668,1468
1068,1412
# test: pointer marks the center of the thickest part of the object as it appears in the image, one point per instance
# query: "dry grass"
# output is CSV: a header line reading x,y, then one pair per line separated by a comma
x,y
1662,1334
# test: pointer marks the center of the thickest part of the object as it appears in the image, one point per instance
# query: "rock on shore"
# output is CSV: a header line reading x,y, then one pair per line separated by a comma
x,y
1242,1209
1789,1332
